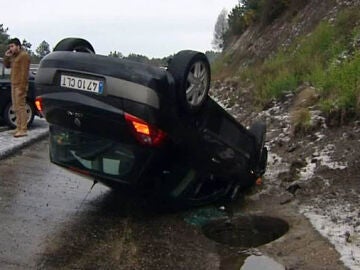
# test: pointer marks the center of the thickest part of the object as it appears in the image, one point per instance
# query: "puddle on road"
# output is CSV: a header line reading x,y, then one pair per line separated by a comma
x,y
246,231
261,262
245,261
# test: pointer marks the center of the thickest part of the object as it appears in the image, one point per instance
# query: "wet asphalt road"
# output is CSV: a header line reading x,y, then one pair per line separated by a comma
x,y
50,220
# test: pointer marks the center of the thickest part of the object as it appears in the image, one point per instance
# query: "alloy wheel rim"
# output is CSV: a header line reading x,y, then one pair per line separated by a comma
x,y
12,115
197,83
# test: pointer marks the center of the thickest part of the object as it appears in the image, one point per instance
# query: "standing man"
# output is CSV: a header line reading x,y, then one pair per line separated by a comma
x,y
19,61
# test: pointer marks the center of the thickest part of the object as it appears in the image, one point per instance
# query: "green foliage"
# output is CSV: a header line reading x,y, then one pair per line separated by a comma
x,y
301,121
341,86
26,46
43,49
160,62
249,12
328,59
236,20
219,65
138,58
284,82
116,54
4,37
271,9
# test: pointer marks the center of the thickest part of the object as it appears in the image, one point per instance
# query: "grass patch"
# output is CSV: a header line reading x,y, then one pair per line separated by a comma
x,y
328,59
340,86
301,121
223,67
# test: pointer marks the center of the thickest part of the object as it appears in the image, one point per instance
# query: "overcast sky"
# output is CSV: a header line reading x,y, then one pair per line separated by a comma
x,y
154,28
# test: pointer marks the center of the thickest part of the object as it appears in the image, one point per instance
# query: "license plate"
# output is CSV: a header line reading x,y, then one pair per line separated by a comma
x,y
94,86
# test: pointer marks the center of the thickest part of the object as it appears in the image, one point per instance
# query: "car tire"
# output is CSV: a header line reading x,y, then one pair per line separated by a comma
x,y
199,190
258,129
10,117
74,45
191,72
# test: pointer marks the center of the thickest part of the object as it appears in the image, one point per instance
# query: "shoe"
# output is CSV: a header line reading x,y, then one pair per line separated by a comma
x,y
20,134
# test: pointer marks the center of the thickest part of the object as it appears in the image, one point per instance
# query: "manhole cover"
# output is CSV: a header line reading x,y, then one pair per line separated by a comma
x,y
246,231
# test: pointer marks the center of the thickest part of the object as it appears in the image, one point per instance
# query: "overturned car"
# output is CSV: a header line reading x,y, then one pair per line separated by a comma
x,y
155,130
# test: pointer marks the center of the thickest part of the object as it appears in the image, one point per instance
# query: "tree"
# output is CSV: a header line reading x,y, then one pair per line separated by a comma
x,y
138,58
43,49
221,27
236,20
4,38
116,54
26,46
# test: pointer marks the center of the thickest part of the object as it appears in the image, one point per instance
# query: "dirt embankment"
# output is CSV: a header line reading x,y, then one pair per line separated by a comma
x,y
312,181
259,42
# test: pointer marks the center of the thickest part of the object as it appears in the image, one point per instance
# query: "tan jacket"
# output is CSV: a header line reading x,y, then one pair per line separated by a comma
x,y
20,65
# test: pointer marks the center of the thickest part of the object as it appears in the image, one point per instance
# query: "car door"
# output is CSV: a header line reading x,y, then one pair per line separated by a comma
x,y
227,145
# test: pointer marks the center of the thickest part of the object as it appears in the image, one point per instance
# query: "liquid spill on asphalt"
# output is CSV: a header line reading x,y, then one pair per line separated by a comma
x,y
202,216
245,232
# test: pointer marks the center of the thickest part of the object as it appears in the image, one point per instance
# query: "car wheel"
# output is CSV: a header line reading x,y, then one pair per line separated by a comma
x,y
10,117
74,45
259,131
191,72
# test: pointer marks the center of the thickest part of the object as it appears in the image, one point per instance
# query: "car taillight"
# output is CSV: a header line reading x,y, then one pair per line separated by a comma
x,y
39,104
145,133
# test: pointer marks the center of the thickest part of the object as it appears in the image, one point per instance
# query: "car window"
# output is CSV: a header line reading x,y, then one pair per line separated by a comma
x,y
4,72
33,69
7,72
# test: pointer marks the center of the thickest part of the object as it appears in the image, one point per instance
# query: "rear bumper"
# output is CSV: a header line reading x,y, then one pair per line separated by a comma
x,y
123,79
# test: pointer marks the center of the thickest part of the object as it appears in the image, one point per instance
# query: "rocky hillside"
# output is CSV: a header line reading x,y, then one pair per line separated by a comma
x,y
314,172
259,42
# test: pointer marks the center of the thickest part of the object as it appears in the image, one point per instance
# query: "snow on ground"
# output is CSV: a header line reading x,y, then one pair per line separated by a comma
x,y
320,158
336,221
334,217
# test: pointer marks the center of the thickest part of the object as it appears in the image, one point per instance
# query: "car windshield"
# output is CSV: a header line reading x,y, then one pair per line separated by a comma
x,y
97,155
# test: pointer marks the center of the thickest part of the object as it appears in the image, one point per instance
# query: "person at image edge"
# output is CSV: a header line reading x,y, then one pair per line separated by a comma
x,y
19,61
